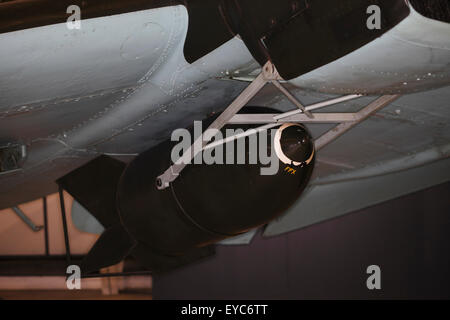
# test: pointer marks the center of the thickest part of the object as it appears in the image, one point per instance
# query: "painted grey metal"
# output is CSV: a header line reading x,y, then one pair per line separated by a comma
x,y
293,99
412,57
347,120
410,161
300,118
84,221
328,201
362,115
319,105
269,74
241,135
174,171
27,220
241,240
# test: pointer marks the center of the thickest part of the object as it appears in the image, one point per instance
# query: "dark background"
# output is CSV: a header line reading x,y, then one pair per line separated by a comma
x,y
409,238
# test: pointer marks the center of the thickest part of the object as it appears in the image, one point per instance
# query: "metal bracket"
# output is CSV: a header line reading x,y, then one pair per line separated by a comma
x,y
361,116
302,114
346,121
27,220
268,74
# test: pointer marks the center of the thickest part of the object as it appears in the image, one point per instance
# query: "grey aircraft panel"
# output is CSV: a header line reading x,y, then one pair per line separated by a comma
x,y
403,149
414,56
328,201
84,221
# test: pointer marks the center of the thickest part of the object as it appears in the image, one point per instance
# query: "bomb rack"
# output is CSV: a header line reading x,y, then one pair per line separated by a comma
x,y
302,114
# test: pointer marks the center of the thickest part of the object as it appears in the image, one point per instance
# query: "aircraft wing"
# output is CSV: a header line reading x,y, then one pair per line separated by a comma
x,y
128,78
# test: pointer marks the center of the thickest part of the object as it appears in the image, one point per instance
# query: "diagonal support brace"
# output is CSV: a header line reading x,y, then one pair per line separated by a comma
x,y
362,115
268,74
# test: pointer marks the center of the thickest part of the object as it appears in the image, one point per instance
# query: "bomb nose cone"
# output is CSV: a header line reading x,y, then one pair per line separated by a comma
x,y
294,145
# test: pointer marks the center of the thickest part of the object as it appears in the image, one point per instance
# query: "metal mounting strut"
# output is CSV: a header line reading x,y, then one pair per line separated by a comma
x,y
302,114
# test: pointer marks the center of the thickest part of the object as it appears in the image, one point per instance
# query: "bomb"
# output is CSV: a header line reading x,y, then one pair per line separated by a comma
x,y
207,203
